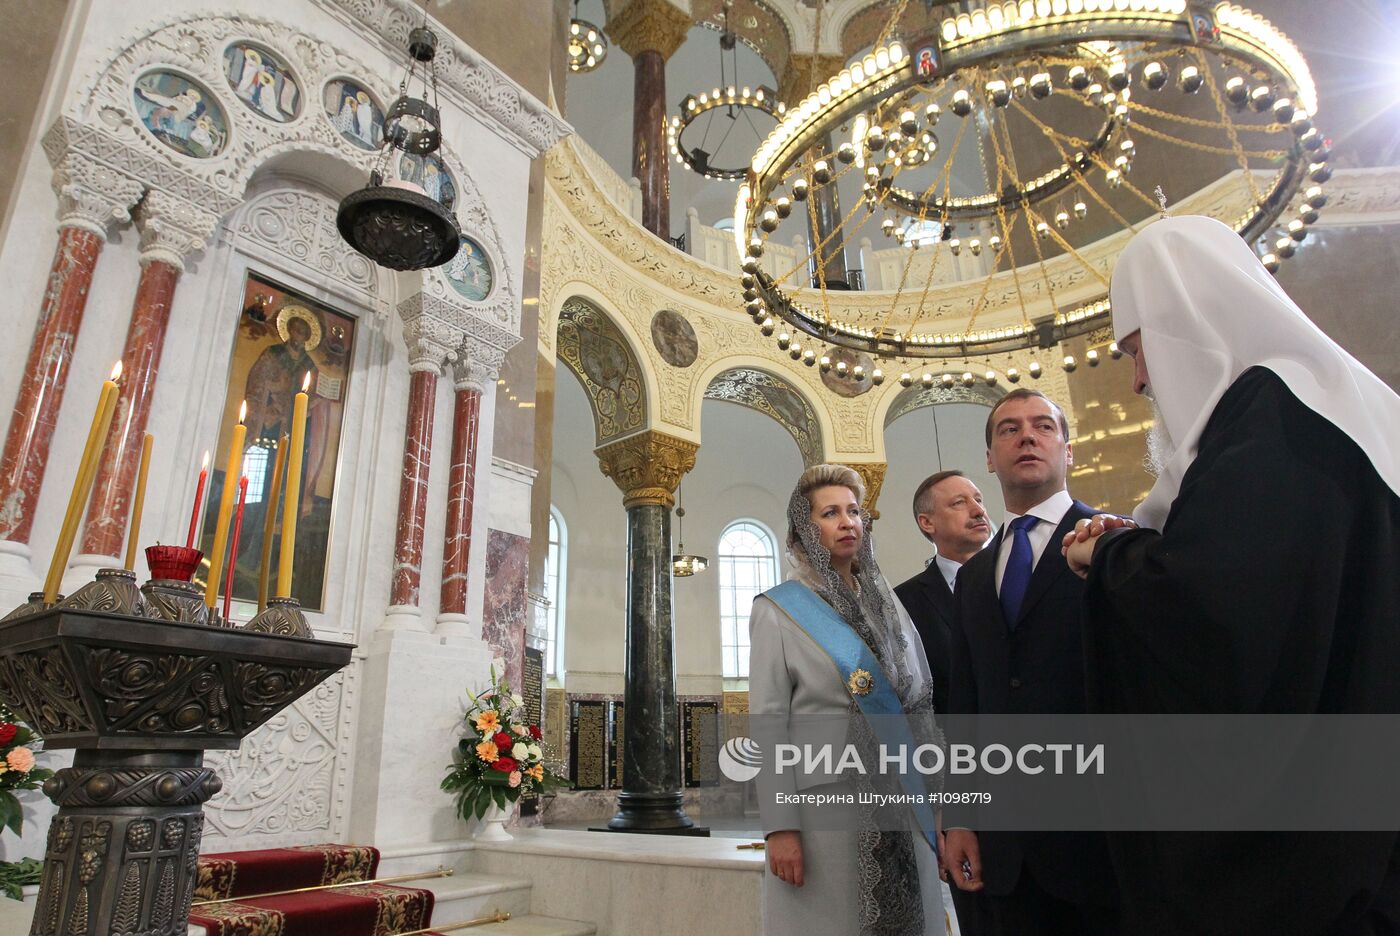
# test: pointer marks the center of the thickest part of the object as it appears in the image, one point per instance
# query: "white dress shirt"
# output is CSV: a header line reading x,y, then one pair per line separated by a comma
x,y
949,568
1050,512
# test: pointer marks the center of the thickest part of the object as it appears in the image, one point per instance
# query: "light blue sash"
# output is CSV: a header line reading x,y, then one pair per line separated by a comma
x,y
849,653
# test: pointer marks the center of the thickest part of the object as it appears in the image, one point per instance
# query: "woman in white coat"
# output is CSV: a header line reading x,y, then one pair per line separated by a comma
x,y
875,877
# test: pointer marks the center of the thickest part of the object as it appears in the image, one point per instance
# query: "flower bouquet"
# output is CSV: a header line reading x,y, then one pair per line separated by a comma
x,y
500,757
17,769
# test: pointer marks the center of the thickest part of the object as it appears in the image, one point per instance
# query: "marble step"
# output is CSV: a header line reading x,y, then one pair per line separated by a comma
x,y
470,894
535,925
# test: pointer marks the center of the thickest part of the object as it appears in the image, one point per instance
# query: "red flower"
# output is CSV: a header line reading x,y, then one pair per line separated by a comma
x,y
503,741
535,732
7,732
504,764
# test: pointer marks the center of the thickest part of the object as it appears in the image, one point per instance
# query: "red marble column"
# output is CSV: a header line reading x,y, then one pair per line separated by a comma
x,y
649,162
461,495
105,530
26,453
413,490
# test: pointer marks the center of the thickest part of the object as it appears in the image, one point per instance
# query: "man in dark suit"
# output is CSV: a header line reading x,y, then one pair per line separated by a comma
x,y
1017,649
948,509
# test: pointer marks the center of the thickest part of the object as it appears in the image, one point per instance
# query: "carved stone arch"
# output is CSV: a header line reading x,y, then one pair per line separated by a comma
x,y
102,123
776,397
592,345
292,224
917,397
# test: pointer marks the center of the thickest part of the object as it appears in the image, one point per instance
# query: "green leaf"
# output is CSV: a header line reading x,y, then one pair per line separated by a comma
x,y
499,795
11,812
483,799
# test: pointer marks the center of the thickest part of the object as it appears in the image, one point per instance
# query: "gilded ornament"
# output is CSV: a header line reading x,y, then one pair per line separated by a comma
x,y
860,682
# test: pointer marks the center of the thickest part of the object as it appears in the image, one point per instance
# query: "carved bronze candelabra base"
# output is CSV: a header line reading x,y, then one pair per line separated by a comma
x,y
140,700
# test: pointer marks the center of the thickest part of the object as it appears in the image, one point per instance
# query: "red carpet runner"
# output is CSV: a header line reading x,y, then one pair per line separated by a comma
x,y
355,910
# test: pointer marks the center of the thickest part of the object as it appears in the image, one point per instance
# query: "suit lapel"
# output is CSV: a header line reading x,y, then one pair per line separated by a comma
x,y
1052,564
939,595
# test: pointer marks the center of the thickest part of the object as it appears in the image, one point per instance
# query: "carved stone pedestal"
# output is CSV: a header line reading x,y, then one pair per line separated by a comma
x,y
141,700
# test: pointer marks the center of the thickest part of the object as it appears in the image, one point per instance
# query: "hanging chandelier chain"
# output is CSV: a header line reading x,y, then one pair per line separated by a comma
x,y
1209,74
1206,147
1054,137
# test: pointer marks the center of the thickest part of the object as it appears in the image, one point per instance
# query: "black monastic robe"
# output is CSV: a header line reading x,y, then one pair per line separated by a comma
x,y
1273,587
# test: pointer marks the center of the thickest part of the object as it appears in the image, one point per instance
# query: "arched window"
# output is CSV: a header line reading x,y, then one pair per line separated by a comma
x,y
748,565
255,459
555,571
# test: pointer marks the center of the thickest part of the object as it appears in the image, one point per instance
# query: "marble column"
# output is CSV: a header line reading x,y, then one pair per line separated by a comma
x,y
89,201
26,453
471,382
802,75
413,489
650,31
164,245
648,468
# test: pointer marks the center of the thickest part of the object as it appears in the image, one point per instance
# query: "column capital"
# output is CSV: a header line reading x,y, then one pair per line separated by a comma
x,y
92,196
477,366
648,466
872,474
648,26
803,73
172,229
431,339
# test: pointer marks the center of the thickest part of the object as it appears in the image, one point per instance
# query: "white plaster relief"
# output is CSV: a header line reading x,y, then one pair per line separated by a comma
x,y
483,87
288,782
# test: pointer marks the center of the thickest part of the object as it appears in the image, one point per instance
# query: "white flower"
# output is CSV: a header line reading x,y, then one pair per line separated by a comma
x,y
520,729
516,698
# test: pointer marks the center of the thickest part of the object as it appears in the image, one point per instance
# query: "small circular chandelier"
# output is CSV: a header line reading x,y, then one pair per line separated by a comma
x,y
993,162
587,46
395,221
730,100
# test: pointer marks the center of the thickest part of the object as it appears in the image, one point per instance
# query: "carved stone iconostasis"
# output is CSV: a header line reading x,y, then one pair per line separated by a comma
x,y
228,140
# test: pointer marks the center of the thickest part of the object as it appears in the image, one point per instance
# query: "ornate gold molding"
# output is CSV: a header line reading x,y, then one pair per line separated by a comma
x,y
648,467
872,474
804,72
648,26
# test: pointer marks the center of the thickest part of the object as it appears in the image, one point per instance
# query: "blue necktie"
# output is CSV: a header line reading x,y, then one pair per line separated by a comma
x,y
1018,569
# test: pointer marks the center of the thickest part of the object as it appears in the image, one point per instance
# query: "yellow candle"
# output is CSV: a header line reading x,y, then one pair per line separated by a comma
x,y
291,501
134,536
270,522
82,484
231,473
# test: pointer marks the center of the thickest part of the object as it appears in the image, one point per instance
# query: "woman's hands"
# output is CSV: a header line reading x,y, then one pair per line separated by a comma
x,y
1078,545
784,851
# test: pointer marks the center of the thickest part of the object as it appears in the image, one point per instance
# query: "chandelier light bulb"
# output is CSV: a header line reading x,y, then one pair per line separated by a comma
x,y
1013,375
1154,75
1190,79
1081,210
1041,85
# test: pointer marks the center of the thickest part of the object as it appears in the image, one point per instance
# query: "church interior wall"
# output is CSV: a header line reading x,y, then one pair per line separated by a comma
x,y
302,788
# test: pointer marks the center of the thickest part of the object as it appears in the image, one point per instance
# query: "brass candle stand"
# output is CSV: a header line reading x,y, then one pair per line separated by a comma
x,y
140,685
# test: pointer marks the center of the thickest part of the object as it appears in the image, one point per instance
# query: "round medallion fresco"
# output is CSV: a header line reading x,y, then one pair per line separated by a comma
x,y
353,112
262,80
181,114
470,271
674,338
848,386
429,174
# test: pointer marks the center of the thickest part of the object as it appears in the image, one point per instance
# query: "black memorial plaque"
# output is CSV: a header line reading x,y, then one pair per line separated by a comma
x,y
700,744
615,745
532,692
588,745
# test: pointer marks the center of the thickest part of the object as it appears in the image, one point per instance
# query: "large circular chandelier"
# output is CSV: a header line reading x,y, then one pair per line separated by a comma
x,y
1008,158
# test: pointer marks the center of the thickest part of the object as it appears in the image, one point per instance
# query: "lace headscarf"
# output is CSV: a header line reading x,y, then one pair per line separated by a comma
x,y
890,894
